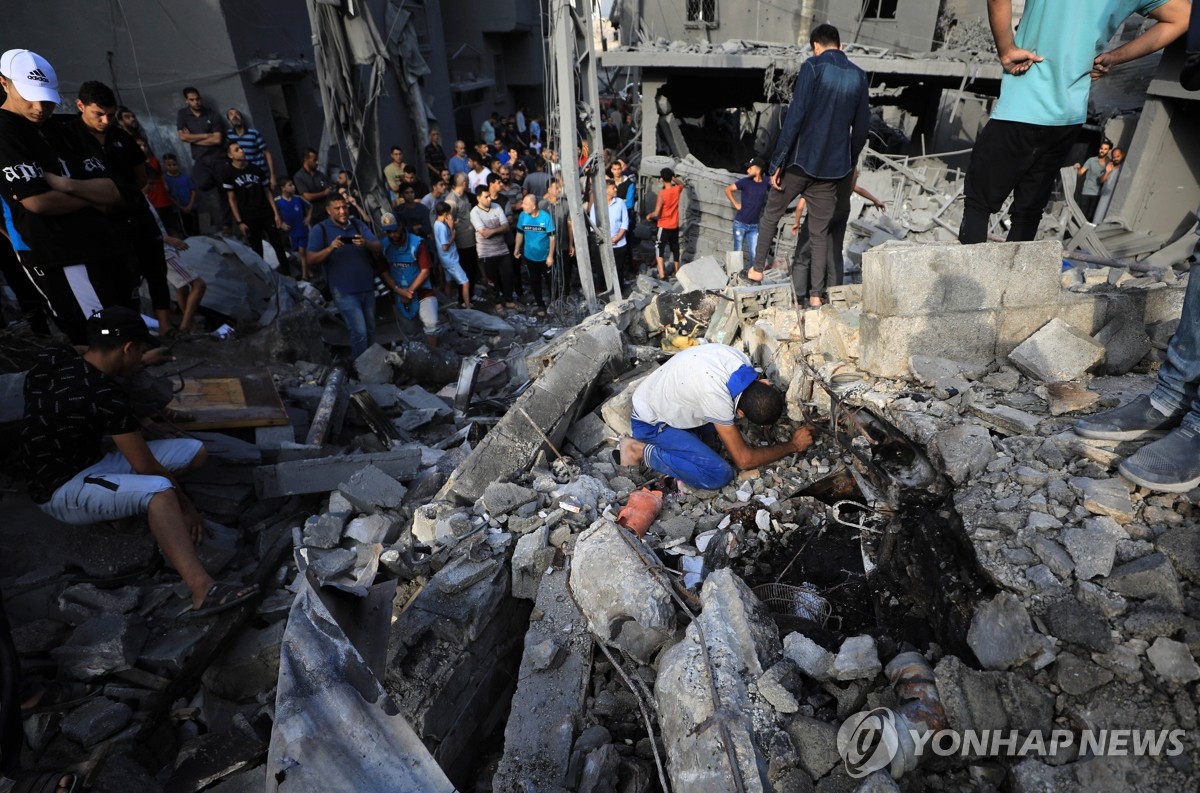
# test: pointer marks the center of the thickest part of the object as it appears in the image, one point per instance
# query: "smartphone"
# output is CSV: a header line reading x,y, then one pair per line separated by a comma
x,y
348,239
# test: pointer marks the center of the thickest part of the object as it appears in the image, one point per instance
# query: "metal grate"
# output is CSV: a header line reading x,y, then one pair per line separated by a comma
x,y
794,601
702,12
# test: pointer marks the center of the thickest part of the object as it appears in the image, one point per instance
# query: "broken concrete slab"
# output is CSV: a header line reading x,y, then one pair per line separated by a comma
x,y
369,489
1093,546
554,676
965,451
1147,577
100,646
418,398
472,322
1125,343
1006,420
500,498
1001,634
95,720
1173,661
704,274
1108,497
324,530
546,408
1002,701
857,659
813,659
617,411
373,366
531,559
625,603
589,433
1057,352
323,474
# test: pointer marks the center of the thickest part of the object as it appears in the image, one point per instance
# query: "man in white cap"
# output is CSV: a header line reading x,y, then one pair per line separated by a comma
x,y
55,202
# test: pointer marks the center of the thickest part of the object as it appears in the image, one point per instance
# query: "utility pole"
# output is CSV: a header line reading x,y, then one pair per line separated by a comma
x,y
572,41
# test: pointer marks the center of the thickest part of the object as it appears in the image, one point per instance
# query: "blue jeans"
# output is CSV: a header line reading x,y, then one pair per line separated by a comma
x,y
683,455
1180,373
358,312
747,234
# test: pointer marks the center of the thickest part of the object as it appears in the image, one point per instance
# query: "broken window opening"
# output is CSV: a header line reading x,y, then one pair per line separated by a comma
x,y
702,13
879,9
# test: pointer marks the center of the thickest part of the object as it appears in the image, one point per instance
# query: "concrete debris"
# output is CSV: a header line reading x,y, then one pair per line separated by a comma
x,y
1001,635
95,720
856,659
813,659
100,646
703,274
369,489
1057,352
373,365
322,474
1173,661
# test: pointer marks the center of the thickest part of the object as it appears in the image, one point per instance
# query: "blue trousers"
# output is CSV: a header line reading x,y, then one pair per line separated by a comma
x,y
745,236
358,312
683,455
1179,376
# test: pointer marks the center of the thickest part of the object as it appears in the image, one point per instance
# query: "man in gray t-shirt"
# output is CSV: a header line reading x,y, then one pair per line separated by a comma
x,y
711,385
1091,171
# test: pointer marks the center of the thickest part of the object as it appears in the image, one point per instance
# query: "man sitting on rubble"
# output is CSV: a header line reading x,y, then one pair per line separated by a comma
x,y
712,384
71,402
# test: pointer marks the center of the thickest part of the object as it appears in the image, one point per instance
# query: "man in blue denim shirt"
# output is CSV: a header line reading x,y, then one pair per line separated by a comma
x,y
347,248
823,133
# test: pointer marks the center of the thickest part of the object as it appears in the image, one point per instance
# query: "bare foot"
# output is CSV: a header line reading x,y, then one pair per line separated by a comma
x,y
631,451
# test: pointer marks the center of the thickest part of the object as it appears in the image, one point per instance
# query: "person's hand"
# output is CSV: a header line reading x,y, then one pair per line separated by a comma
x,y
159,355
795,228
242,226
882,207
1102,65
1018,61
274,186
284,226
358,240
777,179
802,438
336,244
571,250
279,224
517,254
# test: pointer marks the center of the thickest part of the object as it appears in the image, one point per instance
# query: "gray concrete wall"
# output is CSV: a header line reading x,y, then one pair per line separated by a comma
x,y
778,22
911,30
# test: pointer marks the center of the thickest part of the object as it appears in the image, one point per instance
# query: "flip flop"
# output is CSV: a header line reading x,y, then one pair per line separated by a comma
x,y
754,275
39,782
223,596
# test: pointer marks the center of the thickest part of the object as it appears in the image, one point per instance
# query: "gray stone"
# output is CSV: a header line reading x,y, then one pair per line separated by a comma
x,y
1001,634
369,489
1145,578
704,274
589,433
81,602
1172,661
372,365
1007,420
1105,497
1034,776
1125,343
545,655
1057,352
1182,547
1076,676
975,700
426,517
816,743
1152,619
965,451
813,659
857,659
324,530
417,398
617,411
1077,622
100,646
878,782
1051,553
530,560
322,474
327,565
678,527
471,322
1093,546
500,498
1042,578
382,527
249,666
586,492
95,720
771,688
463,573
624,602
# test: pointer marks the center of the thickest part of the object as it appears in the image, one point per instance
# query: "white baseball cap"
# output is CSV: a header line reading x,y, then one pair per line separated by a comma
x,y
31,75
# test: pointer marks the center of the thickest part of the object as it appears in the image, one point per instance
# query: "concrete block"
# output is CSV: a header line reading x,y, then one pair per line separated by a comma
x,y
590,433
887,343
323,474
324,530
372,366
416,398
369,489
1007,420
273,437
735,262
1057,352
617,412
1125,343
704,273
1163,305
531,559
92,722
471,322
500,498
909,280
100,646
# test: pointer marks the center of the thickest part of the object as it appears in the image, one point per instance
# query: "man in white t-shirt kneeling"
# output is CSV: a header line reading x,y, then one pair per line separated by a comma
x,y
712,384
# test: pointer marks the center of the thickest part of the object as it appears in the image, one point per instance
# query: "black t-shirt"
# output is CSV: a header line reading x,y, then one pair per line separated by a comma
x,y
27,152
204,124
69,406
249,186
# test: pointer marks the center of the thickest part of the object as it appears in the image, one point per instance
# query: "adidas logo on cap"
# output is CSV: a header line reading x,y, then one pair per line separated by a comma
x,y
36,74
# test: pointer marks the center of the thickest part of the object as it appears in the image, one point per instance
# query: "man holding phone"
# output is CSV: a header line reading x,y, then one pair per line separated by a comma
x,y
348,249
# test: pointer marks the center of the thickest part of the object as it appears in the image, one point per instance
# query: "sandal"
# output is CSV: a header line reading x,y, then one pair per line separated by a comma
x,y
223,596
42,782
754,275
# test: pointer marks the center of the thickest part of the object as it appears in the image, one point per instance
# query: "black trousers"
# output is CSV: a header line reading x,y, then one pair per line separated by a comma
x,y
500,271
152,265
821,197
31,303
1017,158
259,228
834,263
1088,204
539,278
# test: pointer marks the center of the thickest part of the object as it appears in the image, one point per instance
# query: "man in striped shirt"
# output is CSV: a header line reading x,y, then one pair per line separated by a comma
x,y
252,143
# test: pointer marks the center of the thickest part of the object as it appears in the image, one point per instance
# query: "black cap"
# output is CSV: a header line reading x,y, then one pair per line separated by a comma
x,y
667,173
759,161
117,322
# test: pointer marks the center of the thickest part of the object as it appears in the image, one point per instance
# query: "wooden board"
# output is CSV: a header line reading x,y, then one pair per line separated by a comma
x,y
228,398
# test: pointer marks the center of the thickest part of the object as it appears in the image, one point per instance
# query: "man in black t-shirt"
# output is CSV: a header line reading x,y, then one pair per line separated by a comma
x,y
204,130
248,193
71,402
55,198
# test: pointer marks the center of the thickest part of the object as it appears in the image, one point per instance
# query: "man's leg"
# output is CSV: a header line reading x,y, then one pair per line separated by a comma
x,y
739,235
751,241
659,255
821,196
368,302
152,266
1048,149
997,164
835,266
1087,205
777,204
801,262
351,309
427,309
683,455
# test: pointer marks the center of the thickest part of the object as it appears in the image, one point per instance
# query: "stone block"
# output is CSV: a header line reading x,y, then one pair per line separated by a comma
x,y
418,398
886,344
590,433
813,659
529,562
857,659
1001,635
965,451
1125,343
1057,352
324,530
369,489
372,365
1164,305
500,498
327,565
1173,661
1182,547
472,322
704,274
323,474
1080,623
1145,578
617,411
381,527
1093,546
1006,420
816,743
81,602
1109,497
907,280
95,720
100,646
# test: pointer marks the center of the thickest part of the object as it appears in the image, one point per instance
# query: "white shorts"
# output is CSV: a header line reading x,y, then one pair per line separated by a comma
x,y
178,275
110,490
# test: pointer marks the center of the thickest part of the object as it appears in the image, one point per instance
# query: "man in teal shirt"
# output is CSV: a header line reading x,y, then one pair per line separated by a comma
x,y
535,244
1049,65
